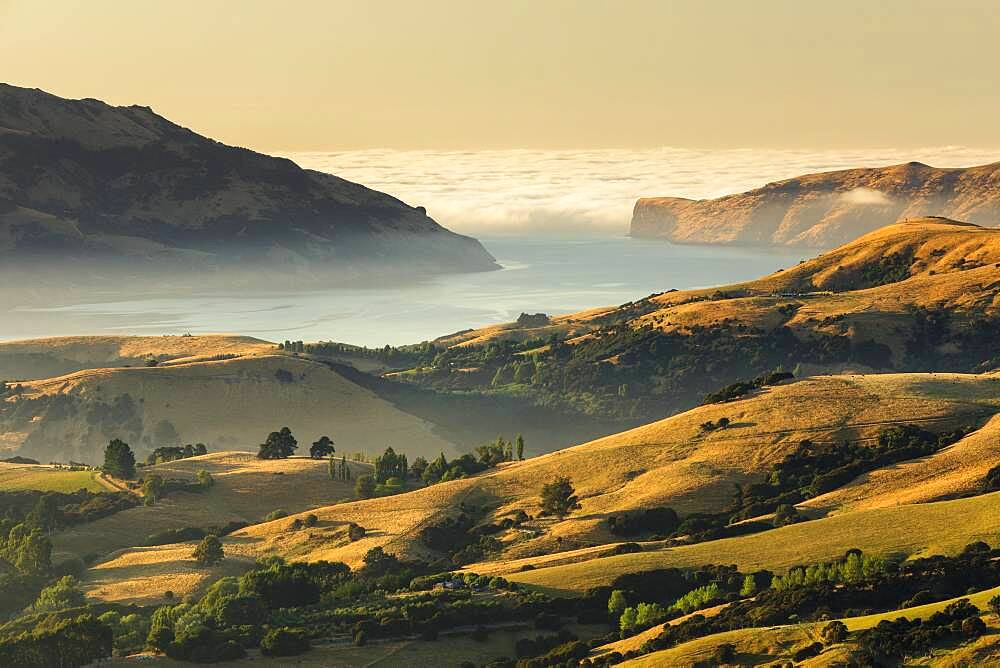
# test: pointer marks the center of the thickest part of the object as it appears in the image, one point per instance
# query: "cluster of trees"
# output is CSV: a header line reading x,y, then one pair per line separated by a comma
x,y
741,388
854,585
280,607
484,457
339,469
814,469
278,445
24,548
659,520
185,534
170,453
893,640
390,465
460,539
853,568
669,593
53,510
53,641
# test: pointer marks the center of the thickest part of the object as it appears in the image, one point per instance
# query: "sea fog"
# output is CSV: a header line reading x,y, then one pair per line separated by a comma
x,y
555,220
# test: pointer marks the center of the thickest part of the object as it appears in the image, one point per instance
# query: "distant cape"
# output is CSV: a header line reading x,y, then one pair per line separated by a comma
x,y
826,209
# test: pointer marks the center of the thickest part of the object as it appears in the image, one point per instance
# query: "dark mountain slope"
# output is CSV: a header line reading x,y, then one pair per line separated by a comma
x,y
81,179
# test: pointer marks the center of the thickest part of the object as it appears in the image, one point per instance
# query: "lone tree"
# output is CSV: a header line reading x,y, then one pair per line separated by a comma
x,y
365,486
209,551
322,448
279,445
559,498
152,489
519,447
119,461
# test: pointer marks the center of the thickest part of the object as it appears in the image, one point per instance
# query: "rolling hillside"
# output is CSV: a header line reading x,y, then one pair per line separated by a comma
x,y
32,359
227,403
674,463
915,296
826,209
246,489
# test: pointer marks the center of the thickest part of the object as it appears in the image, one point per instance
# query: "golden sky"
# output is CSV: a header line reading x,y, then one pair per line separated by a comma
x,y
473,74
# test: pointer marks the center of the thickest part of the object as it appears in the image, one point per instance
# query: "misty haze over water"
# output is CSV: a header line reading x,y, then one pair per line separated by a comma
x,y
555,220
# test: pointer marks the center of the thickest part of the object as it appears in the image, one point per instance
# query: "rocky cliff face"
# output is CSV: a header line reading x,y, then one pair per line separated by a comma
x,y
825,210
82,179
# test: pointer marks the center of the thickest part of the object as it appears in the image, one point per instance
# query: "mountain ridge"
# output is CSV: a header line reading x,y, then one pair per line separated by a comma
x,y
824,209
83,179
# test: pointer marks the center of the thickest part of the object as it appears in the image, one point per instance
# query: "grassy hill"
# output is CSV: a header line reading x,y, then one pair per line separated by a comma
x,y
779,643
820,210
674,463
15,477
226,403
246,489
915,296
32,359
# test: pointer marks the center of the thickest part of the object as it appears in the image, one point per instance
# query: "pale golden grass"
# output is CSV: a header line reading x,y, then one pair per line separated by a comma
x,y
46,479
753,647
44,358
957,469
234,404
943,527
670,462
246,489
766,645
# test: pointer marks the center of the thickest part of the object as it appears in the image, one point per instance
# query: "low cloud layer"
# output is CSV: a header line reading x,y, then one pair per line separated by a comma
x,y
866,196
590,192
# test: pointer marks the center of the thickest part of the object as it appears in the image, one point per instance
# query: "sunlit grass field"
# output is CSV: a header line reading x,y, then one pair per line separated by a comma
x,y
44,479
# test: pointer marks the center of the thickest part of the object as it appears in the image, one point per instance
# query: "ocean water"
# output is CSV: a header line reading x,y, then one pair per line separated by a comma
x,y
540,275
556,220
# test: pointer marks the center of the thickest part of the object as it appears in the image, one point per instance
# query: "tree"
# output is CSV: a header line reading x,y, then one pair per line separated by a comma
x,y
204,478
418,467
627,619
994,605
519,447
45,514
209,551
749,587
119,461
786,514
62,594
390,465
355,532
365,486
283,641
973,627
559,498
152,488
279,445
834,632
322,448
617,603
